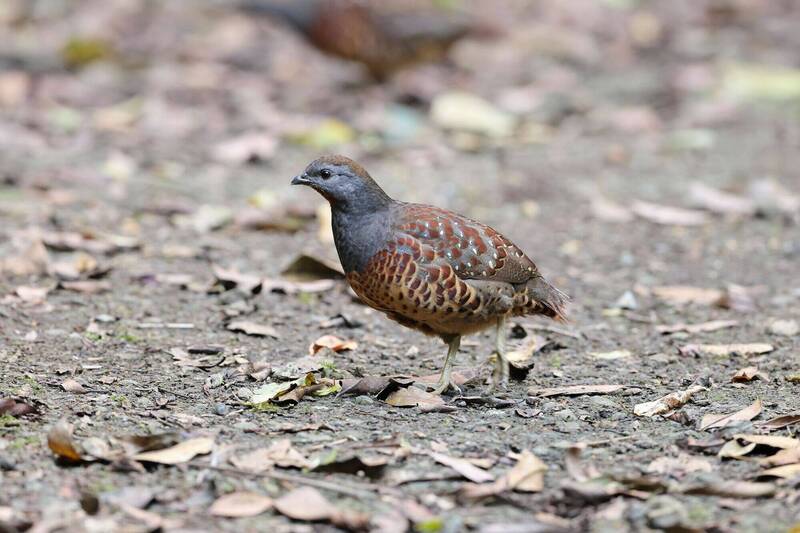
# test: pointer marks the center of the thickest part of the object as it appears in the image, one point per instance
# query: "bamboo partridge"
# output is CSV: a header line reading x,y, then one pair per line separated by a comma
x,y
384,40
428,268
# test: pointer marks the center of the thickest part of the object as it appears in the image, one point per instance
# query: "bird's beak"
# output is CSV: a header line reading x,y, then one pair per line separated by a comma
x,y
300,180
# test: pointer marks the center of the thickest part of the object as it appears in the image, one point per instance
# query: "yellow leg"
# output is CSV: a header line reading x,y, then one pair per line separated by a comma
x,y
500,374
445,381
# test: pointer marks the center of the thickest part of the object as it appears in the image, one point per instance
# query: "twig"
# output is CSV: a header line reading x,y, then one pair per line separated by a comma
x,y
365,491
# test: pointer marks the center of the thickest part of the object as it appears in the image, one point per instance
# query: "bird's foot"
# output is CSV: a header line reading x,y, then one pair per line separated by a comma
x,y
499,375
444,385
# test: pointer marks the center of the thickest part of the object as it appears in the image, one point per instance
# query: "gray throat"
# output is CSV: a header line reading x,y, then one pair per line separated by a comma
x,y
359,236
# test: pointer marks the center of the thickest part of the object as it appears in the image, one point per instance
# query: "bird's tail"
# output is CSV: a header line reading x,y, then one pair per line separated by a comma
x,y
552,301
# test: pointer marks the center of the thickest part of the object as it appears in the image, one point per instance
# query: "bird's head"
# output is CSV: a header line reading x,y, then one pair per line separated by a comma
x,y
344,183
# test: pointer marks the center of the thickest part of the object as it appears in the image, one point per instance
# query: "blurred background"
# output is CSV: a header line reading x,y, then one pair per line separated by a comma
x,y
562,122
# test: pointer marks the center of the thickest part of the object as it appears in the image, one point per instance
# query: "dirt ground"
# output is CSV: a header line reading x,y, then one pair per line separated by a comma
x,y
163,152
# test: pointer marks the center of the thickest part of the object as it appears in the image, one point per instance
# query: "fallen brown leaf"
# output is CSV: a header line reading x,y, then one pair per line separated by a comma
x,y
240,504
782,457
684,294
309,268
735,450
527,475
667,403
772,441
574,390
668,215
414,397
180,453
748,374
720,202
71,385
305,504
12,407
334,343
786,471
251,328
233,279
711,421
779,422
725,350
88,286
32,295
61,442
463,467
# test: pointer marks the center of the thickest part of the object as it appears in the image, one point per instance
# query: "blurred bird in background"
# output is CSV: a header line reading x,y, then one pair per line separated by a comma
x,y
384,37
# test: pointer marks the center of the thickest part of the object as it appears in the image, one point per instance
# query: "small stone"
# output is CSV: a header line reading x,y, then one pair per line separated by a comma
x,y
787,328
627,301
221,409
565,414
105,319
363,400
244,394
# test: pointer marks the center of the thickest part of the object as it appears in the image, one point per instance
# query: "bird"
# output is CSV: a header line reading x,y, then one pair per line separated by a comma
x,y
382,40
428,268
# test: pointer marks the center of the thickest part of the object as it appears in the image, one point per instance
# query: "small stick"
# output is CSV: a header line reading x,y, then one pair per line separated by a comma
x,y
367,491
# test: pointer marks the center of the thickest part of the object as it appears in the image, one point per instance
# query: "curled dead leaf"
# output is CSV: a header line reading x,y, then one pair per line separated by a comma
x,y
332,342
60,441
711,421
668,403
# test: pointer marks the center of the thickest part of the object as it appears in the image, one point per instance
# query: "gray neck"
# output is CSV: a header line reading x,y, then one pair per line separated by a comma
x,y
359,235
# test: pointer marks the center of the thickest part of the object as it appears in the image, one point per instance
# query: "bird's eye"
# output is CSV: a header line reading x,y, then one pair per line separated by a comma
x,y
325,173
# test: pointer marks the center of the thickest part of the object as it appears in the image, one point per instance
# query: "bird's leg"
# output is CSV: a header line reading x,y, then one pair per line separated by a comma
x,y
445,381
500,374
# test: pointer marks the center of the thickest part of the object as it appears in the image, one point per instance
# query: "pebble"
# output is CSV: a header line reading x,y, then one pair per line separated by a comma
x,y
787,328
565,414
363,400
627,301
221,409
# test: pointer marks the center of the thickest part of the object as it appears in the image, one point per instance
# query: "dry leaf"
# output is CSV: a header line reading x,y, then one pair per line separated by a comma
x,y
12,407
610,356
684,294
233,279
240,504
785,471
574,390
414,397
779,422
305,504
251,328
71,385
89,286
527,475
334,343
773,441
668,403
718,421
668,215
702,327
735,450
749,373
609,211
180,453
783,457
463,467
787,328
721,202
32,295
61,443
306,268
726,350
